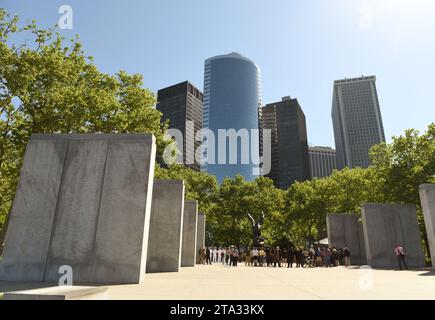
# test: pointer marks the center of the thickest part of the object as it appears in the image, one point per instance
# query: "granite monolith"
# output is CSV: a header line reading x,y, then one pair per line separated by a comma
x,y
166,226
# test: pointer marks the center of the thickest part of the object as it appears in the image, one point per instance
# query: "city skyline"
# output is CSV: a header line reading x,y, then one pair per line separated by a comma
x,y
332,41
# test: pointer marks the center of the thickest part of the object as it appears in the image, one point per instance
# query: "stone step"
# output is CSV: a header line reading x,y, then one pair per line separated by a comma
x,y
59,293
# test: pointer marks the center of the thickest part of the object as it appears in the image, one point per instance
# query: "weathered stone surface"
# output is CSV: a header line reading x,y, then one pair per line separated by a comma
x,y
188,251
345,230
102,207
427,197
75,228
33,211
384,225
166,225
200,234
125,211
59,293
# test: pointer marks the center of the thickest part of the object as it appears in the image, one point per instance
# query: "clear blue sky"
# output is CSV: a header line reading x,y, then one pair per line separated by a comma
x,y
301,46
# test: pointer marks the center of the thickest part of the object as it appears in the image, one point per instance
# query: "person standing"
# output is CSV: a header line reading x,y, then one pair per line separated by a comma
x,y
272,256
401,256
312,254
254,256
247,257
306,257
346,256
277,257
283,257
223,254
327,257
214,255
201,256
267,256
262,256
336,256
227,256
208,255
318,258
332,257
235,256
298,257
231,256
290,257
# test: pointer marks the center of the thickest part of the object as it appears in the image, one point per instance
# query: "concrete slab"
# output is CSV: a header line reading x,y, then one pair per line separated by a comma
x,y
33,211
200,234
384,225
101,202
427,196
166,226
78,206
188,251
125,212
345,230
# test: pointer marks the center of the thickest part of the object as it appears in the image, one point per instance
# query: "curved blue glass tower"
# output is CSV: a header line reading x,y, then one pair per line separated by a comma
x,y
232,104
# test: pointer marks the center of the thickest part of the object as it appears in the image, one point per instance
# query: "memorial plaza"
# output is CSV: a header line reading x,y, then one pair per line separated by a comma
x,y
122,179
219,282
103,228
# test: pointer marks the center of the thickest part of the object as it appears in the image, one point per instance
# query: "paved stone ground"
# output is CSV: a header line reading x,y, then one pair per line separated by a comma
x,y
218,282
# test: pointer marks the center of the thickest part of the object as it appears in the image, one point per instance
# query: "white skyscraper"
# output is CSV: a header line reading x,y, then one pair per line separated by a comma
x,y
357,120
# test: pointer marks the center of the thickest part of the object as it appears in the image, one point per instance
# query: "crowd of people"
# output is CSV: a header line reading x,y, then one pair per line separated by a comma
x,y
275,256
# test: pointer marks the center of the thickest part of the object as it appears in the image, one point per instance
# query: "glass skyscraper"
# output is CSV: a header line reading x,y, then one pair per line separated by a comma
x,y
357,121
231,101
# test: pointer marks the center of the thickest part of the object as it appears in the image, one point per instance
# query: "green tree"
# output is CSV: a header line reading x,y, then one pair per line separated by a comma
x,y
300,200
348,189
405,164
402,166
397,172
228,219
199,186
48,85
310,201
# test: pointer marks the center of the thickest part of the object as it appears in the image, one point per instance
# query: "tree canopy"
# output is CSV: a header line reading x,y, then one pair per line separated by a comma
x,y
299,213
48,85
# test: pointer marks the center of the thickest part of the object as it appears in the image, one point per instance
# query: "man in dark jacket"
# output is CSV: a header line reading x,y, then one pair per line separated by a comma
x,y
290,257
346,256
207,253
277,256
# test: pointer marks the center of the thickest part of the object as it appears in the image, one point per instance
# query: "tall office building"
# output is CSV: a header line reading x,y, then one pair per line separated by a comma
x,y
289,158
232,104
357,120
181,104
322,161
